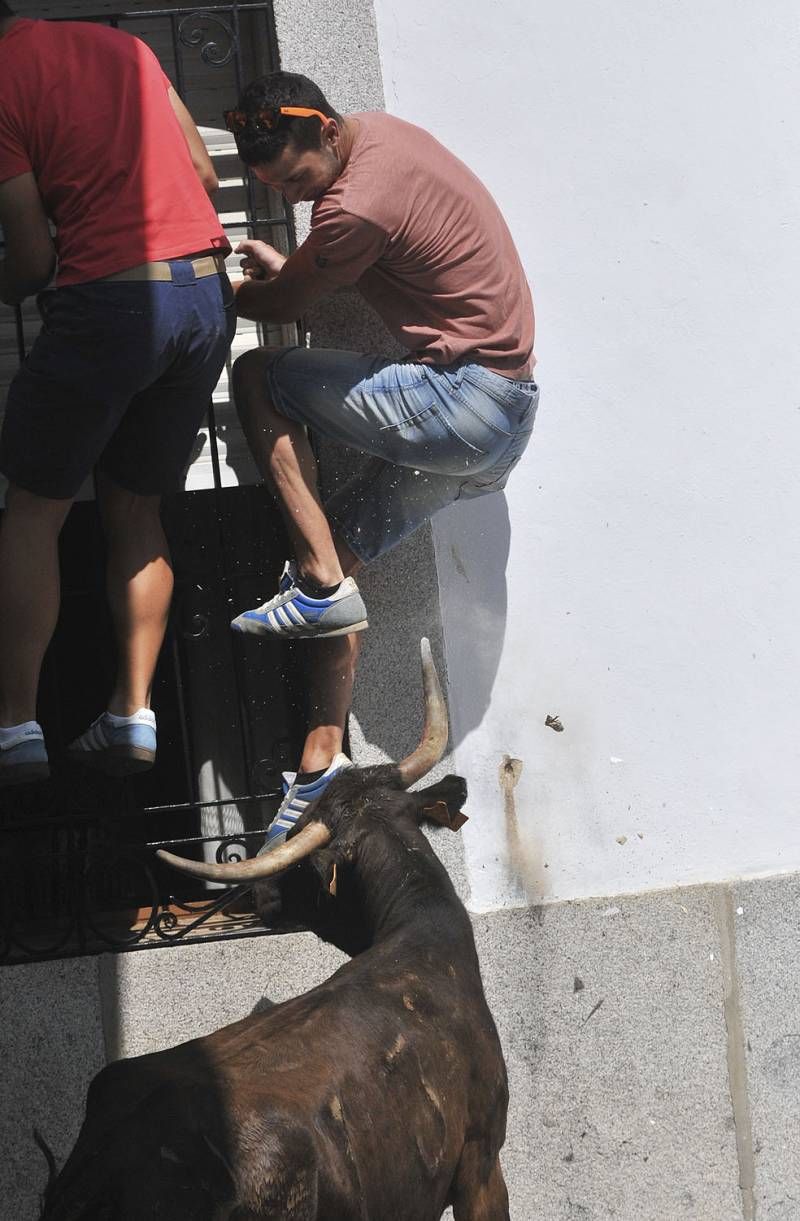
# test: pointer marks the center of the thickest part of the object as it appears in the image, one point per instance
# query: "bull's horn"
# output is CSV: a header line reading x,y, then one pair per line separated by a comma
x,y
434,735
315,835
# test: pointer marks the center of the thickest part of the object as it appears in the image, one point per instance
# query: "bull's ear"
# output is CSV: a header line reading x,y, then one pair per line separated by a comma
x,y
442,802
443,814
326,864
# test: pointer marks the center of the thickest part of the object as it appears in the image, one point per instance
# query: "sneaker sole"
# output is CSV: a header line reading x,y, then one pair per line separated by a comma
x,y
116,760
301,633
24,773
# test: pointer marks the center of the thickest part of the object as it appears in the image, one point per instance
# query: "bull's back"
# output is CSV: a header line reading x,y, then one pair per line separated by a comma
x,y
395,1099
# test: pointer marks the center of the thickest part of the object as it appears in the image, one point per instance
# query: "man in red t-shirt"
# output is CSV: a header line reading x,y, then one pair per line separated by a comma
x,y
138,318
399,217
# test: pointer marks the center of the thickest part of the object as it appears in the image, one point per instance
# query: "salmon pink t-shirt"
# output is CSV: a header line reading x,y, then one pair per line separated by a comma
x,y
424,242
85,108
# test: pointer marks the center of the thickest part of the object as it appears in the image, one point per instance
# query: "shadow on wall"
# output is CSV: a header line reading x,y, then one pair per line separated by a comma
x,y
472,542
408,592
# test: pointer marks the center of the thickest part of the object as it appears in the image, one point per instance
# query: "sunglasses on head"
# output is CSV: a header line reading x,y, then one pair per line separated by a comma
x,y
268,117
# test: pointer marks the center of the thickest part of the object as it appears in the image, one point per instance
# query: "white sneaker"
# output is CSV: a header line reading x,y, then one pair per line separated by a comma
x,y
118,746
296,616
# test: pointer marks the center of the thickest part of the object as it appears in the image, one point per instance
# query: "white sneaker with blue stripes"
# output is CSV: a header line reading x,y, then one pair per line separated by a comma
x,y
296,798
295,615
117,745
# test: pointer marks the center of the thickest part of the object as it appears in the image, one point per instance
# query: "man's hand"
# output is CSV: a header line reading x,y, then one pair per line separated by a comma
x,y
287,288
261,261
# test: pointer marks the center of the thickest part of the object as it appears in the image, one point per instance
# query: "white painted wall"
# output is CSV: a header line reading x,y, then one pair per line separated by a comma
x,y
647,157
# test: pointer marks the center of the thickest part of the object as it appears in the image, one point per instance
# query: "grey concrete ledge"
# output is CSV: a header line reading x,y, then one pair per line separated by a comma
x,y
611,1016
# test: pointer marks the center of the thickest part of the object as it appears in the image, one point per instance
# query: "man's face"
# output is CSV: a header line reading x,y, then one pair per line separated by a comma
x,y
301,174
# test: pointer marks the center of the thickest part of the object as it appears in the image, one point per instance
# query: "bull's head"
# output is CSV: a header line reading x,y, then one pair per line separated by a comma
x,y
338,814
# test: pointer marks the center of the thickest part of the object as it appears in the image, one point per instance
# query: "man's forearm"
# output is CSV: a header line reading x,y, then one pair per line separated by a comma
x,y
30,254
263,301
15,288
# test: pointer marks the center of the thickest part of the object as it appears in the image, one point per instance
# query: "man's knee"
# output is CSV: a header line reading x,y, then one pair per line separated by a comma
x,y
22,505
350,564
123,511
248,380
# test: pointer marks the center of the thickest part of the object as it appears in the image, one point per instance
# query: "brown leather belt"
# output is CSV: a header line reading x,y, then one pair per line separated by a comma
x,y
207,265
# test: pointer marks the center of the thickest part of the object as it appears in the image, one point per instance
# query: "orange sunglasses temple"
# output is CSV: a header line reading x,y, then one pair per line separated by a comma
x,y
303,112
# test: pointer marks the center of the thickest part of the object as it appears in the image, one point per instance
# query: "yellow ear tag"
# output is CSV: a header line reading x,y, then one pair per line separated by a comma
x,y
332,883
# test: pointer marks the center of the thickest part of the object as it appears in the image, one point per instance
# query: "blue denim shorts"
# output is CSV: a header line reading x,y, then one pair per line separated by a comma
x,y
120,377
435,434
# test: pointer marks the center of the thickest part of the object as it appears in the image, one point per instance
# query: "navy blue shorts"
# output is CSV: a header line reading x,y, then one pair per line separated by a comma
x,y
120,378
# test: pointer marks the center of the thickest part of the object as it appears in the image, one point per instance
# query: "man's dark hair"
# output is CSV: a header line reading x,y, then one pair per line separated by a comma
x,y
280,89
5,11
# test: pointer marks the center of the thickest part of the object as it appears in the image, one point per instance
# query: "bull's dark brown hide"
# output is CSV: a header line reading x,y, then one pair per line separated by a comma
x,y
378,1096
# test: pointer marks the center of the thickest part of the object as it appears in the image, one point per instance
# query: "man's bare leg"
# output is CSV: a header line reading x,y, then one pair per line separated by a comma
x,y
284,457
29,597
331,671
139,585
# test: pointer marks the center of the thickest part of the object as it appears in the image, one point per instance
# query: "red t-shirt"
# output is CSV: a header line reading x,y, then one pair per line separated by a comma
x,y
424,242
85,107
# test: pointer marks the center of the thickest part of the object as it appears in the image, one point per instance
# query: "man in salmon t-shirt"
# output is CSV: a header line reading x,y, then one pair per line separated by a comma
x,y
402,219
138,318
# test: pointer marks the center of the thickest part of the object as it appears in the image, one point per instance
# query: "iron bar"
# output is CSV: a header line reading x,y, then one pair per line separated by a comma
x,y
256,221
245,739
20,329
136,14
190,773
176,55
87,816
199,840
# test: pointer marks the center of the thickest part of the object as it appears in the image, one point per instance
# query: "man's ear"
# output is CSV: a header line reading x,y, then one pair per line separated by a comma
x,y
331,134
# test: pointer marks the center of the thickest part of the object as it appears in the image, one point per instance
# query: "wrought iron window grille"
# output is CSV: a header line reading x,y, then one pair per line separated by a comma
x,y
78,873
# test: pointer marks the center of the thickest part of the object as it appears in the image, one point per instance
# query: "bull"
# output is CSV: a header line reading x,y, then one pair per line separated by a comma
x,y
380,1095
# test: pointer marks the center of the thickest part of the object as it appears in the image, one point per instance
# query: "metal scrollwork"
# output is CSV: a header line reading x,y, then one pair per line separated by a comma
x,y
231,850
193,32
169,927
166,922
